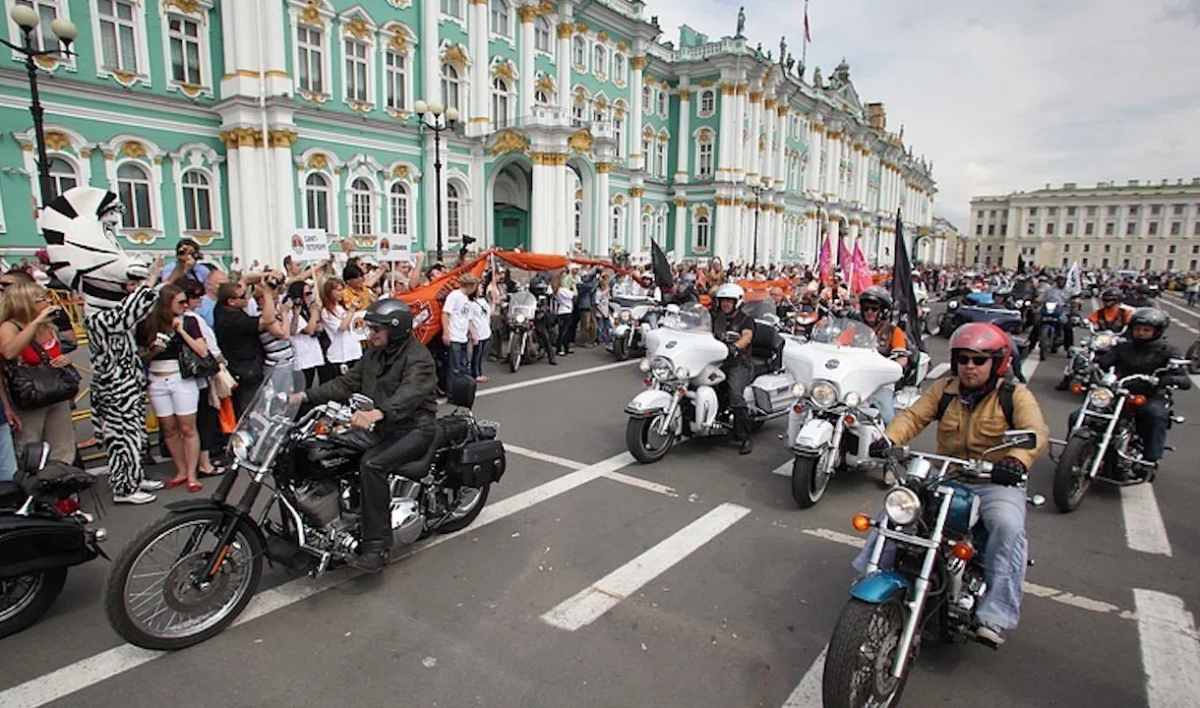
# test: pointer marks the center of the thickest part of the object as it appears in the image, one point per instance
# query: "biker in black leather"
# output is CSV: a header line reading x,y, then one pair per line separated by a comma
x,y
399,374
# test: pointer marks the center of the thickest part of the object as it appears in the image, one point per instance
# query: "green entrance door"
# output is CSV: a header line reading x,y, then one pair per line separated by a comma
x,y
511,228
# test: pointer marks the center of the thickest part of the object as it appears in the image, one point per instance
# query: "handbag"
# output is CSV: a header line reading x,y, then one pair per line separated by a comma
x,y
222,383
193,366
32,387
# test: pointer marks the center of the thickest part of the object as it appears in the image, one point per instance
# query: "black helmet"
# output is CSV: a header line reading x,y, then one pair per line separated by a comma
x,y
1145,289
1150,317
393,315
1111,295
877,295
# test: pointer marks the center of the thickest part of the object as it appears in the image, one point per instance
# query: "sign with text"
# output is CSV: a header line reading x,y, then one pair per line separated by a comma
x,y
308,245
394,248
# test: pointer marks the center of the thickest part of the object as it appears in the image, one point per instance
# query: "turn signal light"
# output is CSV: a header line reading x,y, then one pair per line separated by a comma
x,y
646,382
322,428
963,551
798,408
1076,388
861,522
1139,400
851,420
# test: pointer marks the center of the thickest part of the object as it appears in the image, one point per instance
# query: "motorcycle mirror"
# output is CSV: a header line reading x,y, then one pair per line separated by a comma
x,y
1020,439
1179,363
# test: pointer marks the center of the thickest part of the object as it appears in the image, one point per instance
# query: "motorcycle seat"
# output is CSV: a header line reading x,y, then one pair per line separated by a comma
x,y
447,432
766,349
11,494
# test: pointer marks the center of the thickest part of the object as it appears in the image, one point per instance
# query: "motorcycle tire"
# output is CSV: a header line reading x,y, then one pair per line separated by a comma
x,y
844,658
1193,357
807,489
21,611
1071,480
115,605
1046,342
620,351
636,432
514,357
469,517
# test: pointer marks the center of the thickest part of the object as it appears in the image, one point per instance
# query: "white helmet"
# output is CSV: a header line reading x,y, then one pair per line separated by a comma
x,y
730,291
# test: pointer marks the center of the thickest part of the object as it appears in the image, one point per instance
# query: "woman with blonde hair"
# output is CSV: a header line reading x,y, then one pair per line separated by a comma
x,y
28,334
344,348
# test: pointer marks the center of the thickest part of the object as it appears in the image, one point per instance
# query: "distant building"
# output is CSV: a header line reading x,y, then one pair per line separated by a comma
x,y
1137,225
946,246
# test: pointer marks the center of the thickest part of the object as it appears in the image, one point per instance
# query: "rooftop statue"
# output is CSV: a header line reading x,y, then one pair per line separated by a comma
x,y
741,21
817,82
783,48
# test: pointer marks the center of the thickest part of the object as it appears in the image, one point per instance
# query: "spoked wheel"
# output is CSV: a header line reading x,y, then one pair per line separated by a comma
x,y
858,665
809,478
644,441
25,598
1193,357
1045,342
1071,478
620,351
514,354
470,503
154,597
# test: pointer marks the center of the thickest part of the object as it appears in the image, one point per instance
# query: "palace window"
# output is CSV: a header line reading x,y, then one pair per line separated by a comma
x,y
617,222
541,97
316,201
499,100
648,152
1110,228
43,37
578,219
660,162
356,71
501,19
618,71
619,132
1176,228
197,201
118,34
396,80
647,99
704,155
599,59
541,34
703,233
1089,229
708,103
185,38
310,50
453,213
360,207
62,176
453,8
398,208
647,227
133,187
451,86
1130,228
1153,228
662,103
579,53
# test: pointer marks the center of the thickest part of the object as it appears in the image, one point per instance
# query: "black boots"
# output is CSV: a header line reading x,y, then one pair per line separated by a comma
x,y
372,556
741,430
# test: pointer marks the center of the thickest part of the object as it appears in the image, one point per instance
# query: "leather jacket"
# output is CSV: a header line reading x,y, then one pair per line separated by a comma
x,y
402,380
1140,357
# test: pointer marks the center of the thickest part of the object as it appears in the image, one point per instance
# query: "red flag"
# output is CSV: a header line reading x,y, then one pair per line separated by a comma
x,y
847,267
807,33
825,261
862,272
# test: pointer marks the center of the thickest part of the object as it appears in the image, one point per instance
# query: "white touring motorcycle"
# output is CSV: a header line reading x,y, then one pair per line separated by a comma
x,y
684,395
833,424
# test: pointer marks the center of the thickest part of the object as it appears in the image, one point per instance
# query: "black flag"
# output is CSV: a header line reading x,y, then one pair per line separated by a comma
x,y
902,291
1020,265
662,269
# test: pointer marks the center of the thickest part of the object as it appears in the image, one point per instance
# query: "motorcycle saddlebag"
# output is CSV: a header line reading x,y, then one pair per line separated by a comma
x,y
35,543
773,392
476,464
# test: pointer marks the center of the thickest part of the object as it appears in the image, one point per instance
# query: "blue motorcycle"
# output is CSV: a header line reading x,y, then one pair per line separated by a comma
x,y
977,307
924,578
1051,323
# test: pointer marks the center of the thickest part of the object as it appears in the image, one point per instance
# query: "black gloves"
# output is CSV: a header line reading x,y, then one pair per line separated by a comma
x,y
734,352
879,447
1008,472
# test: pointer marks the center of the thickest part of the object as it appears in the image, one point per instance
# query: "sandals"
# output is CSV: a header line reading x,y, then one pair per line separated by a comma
x,y
175,483
194,487
216,471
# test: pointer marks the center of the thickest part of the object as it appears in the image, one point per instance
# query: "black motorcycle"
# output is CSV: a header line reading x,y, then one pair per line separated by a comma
x,y
39,542
189,575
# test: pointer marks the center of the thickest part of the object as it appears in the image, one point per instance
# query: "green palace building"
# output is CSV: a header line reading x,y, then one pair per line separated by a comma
x,y
580,129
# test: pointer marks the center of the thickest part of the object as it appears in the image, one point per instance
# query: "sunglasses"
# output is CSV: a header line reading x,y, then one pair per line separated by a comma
x,y
977,360
376,328
870,308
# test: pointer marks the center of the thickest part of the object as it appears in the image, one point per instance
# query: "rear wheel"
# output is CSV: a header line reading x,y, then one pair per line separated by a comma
x,y
858,665
1193,355
1071,478
470,503
620,350
644,442
25,598
809,480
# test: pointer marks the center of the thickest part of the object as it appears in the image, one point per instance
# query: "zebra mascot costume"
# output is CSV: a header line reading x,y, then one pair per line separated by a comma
x,y
79,229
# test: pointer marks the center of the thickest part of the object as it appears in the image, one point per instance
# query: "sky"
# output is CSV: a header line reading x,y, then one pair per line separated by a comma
x,y
1002,95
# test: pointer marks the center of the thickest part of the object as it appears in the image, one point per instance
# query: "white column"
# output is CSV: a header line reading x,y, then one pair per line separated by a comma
x,y
781,126
751,163
722,241
543,195
766,160
429,51
526,84
564,209
477,26
636,158
683,138
635,219
739,121
864,181
680,229
833,167
283,186
725,137
565,30
812,179
602,209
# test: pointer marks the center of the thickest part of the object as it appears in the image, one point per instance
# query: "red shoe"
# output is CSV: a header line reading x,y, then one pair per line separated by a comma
x,y
194,486
175,483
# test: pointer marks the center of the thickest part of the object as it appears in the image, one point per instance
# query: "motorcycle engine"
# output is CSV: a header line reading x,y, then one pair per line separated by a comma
x,y
320,502
407,517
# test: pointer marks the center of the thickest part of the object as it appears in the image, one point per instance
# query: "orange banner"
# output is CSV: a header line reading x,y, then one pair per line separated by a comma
x,y
426,301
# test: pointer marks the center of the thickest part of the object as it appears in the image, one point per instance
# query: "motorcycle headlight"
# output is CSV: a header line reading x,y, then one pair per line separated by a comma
x,y
520,319
852,399
1104,340
660,368
1051,306
902,506
824,394
1100,398
953,305
625,315
799,389
683,373
240,443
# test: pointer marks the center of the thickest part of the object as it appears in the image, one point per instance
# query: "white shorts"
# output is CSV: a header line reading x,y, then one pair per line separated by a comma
x,y
174,395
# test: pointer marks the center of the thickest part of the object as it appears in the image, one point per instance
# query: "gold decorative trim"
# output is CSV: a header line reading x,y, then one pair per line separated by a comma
x,y
602,36
190,7
509,141
727,89
581,141
679,202
85,153
636,192
722,201
282,138
637,63
358,29
581,27
769,103
685,95
565,30
742,89
455,56
311,15
549,159
756,96
57,140
133,149
46,61
318,161
399,41
621,45
125,78
603,168
504,70
527,13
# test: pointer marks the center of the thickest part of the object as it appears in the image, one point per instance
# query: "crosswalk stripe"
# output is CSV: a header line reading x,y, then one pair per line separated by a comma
x,y
1170,650
592,602
808,692
1144,527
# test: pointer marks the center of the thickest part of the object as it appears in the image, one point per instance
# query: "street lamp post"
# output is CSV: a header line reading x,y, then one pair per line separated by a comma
x,y
26,18
757,188
878,238
433,116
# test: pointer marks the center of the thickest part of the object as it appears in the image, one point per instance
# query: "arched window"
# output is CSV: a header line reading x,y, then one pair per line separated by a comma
x,y
398,207
704,154
197,201
501,23
453,213
660,163
708,102
541,97
316,201
599,59
618,72
451,86
619,132
646,232
662,103
541,34
360,207
662,227
599,114
133,187
62,176
452,8
703,232
579,53
396,80
499,100
648,151
578,219
617,220
647,99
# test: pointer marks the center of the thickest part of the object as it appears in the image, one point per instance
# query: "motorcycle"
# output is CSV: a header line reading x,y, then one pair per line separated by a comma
x,y
977,307
632,315
1083,356
1104,443
187,576
39,542
684,396
930,524
832,425
523,346
1051,324
1193,357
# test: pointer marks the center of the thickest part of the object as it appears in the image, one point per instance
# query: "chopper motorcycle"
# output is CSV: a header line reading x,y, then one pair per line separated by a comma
x,y
684,395
188,576
523,345
633,322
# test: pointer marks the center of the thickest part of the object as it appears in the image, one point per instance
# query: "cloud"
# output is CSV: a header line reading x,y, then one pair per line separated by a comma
x,y
1003,95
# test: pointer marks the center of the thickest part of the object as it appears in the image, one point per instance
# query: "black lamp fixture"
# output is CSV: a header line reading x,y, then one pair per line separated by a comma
x,y
438,118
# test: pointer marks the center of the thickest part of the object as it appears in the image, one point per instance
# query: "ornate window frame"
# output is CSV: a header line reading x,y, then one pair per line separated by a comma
x,y
197,11
701,215
313,15
126,148
510,14
323,162
459,19
62,9
620,68
579,48
397,38
705,137
461,185
62,143
661,155
543,22
141,46
356,26
364,167
405,175
709,95
198,157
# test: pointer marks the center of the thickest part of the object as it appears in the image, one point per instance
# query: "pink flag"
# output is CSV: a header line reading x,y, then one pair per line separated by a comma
x,y
862,272
825,261
844,261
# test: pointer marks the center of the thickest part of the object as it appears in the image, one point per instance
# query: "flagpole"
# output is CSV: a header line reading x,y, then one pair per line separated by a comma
x,y
804,45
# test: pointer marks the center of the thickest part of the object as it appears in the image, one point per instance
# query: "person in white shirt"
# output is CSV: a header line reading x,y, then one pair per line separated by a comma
x,y
344,347
481,332
305,326
563,301
456,325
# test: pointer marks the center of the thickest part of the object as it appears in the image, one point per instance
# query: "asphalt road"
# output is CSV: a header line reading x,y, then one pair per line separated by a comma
x,y
591,580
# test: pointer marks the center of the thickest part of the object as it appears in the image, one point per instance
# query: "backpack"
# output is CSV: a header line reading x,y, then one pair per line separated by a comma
x,y
1005,389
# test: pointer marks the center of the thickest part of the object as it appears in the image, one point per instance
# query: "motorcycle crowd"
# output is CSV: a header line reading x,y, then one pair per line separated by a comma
x,y
342,472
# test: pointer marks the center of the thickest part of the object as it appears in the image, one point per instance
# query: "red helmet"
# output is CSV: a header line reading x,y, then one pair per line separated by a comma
x,y
983,337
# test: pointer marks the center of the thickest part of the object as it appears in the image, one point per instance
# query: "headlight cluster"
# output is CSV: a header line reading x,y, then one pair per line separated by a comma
x,y
1104,340
823,394
240,443
1051,306
902,506
799,389
852,399
1100,398
625,315
520,319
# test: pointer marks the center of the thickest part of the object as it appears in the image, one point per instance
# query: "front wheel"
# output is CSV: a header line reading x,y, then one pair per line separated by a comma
x,y
858,664
1193,357
154,596
25,598
515,350
809,478
1072,476
644,442
620,349
1046,342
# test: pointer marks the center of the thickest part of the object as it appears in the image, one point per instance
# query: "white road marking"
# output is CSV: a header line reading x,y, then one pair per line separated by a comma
x,y
641,483
555,377
784,470
1029,366
99,667
938,371
1170,650
592,602
1144,528
1066,598
552,459
808,693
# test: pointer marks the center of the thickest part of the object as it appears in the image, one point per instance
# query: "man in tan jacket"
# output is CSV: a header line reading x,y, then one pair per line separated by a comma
x,y
973,410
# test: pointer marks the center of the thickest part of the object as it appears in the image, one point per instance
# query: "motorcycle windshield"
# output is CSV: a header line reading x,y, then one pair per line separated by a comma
x,y
269,414
845,332
691,318
522,303
759,309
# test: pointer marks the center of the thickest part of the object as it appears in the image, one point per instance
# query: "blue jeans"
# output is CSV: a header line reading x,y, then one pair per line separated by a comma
x,y
8,454
1152,422
1002,511
477,353
460,361
606,332
884,401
